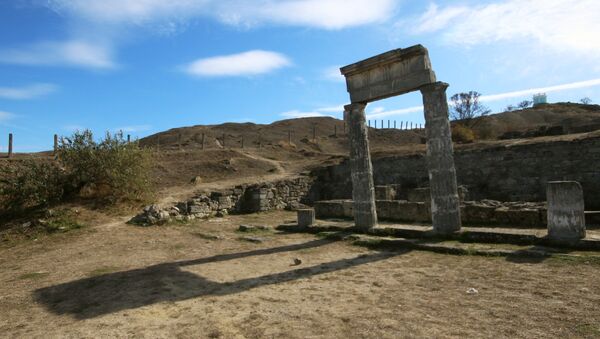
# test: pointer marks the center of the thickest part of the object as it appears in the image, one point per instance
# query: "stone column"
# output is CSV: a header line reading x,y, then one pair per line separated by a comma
x,y
363,192
566,216
445,205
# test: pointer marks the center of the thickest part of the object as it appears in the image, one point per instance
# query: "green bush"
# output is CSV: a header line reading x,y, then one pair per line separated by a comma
x,y
30,184
112,169
462,134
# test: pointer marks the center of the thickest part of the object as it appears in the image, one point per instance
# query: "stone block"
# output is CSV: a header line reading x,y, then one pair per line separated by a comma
x,y
384,192
566,217
419,195
306,217
392,73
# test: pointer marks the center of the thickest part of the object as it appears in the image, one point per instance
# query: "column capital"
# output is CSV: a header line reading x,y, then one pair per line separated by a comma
x,y
435,86
353,106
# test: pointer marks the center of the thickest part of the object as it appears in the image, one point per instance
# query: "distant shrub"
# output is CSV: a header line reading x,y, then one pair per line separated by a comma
x,y
462,134
111,169
30,184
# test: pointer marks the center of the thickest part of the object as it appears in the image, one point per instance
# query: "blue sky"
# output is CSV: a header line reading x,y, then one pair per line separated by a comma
x,y
145,66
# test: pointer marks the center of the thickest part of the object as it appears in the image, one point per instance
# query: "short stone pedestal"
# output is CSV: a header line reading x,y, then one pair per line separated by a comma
x,y
384,193
566,217
306,217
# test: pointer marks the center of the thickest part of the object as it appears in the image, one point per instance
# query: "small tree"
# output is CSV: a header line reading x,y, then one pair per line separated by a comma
x,y
524,104
510,108
586,101
466,106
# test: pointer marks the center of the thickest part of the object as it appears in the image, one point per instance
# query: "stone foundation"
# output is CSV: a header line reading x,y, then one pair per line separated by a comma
x,y
482,213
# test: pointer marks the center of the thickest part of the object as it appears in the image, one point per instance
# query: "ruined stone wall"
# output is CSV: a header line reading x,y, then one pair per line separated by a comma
x,y
505,173
283,194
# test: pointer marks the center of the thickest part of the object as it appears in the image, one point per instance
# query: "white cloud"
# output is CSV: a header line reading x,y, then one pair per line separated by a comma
x,y
331,109
530,91
497,97
562,25
5,116
242,64
133,128
333,74
326,14
381,114
76,53
298,114
27,92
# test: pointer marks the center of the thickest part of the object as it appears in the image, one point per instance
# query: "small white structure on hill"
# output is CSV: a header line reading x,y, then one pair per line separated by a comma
x,y
539,99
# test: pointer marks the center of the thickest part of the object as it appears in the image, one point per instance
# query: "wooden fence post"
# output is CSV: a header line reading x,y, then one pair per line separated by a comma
x,y
55,143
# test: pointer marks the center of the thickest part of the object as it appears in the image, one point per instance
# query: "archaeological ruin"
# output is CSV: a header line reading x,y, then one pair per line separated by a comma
x,y
389,74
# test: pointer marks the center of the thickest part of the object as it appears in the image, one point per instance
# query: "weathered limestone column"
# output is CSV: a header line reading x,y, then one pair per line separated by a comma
x,y
566,217
363,192
445,205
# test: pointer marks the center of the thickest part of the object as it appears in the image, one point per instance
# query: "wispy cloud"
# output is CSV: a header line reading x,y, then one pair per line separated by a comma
x,y
299,114
563,25
27,92
499,96
76,53
133,128
325,14
5,116
243,64
530,91
333,74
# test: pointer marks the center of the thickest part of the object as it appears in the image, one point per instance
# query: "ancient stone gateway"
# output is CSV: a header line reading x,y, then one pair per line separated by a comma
x,y
389,74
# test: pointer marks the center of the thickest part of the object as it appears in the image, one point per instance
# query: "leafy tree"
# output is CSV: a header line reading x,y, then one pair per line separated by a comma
x,y
510,108
466,106
586,101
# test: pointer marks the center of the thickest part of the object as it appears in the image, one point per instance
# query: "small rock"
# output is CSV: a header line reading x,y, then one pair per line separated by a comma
x,y
26,225
196,180
297,262
472,291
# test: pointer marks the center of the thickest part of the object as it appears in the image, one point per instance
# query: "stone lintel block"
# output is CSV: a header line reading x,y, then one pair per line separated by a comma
x,y
306,217
389,74
566,216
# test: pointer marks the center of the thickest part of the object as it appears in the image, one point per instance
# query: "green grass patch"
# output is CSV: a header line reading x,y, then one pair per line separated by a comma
x,y
575,259
588,330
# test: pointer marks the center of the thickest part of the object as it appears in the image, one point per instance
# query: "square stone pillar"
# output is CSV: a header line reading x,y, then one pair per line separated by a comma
x,y
445,205
363,192
566,217
306,217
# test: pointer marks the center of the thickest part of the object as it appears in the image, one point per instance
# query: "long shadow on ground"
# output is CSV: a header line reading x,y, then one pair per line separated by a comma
x,y
105,294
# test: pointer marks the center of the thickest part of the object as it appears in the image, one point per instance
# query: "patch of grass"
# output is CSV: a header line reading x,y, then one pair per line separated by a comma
x,y
332,235
33,275
575,259
102,271
62,221
591,330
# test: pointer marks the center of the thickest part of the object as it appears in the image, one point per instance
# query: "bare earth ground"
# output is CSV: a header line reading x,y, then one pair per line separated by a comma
x,y
200,280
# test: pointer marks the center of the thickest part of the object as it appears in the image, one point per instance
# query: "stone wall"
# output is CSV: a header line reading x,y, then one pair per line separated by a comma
x,y
285,194
504,173
473,213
